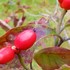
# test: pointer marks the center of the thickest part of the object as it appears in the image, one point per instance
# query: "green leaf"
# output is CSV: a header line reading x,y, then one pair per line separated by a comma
x,y
52,58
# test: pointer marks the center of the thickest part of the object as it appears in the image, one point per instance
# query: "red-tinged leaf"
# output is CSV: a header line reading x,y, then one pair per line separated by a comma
x,y
11,33
52,58
43,21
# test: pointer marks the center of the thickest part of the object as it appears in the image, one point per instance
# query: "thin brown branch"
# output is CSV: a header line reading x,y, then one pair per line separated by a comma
x,y
60,21
66,39
4,25
19,22
31,67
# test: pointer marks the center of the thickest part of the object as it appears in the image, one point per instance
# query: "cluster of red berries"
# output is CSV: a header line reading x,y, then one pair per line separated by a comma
x,y
23,41
65,4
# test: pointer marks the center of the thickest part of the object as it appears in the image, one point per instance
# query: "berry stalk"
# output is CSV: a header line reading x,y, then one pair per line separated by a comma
x,y
60,22
22,62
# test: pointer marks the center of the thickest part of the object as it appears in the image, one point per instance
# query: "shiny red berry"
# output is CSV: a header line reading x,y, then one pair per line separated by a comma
x,y
25,39
6,55
60,1
65,4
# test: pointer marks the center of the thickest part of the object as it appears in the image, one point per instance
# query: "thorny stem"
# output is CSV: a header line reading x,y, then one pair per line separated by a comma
x,y
22,62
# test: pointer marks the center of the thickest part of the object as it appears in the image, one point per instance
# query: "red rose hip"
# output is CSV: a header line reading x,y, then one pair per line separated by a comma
x,y
6,55
60,1
65,4
25,39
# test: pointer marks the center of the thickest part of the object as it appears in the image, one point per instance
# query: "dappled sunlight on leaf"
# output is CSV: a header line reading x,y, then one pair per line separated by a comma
x,y
52,58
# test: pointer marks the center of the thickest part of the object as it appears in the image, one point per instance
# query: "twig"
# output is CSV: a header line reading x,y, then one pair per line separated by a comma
x,y
67,39
58,28
63,41
22,62
65,33
19,22
60,21
31,68
46,36
63,27
4,25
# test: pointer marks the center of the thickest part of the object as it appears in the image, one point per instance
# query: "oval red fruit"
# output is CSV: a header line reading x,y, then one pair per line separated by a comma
x,y
60,1
6,55
65,4
25,39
